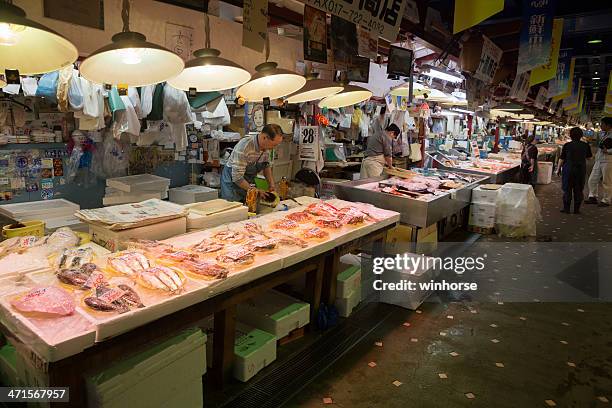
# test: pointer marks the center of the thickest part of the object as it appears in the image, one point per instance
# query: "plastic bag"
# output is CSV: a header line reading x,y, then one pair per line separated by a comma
x,y
517,211
75,92
47,86
72,166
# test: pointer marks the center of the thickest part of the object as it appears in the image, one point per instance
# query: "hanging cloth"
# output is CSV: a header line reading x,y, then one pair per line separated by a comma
x,y
29,85
146,99
63,86
157,103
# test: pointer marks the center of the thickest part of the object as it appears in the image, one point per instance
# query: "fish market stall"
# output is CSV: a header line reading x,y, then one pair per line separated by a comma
x,y
428,197
498,171
89,308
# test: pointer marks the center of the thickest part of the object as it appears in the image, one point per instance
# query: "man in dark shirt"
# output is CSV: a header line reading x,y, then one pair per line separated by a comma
x,y
572,166
529,162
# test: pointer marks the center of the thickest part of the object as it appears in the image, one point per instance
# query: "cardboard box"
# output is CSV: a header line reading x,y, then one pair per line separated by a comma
x,y
482,196
349,280
254,349
275,313
399,238
345,305
139,183
114,240
192,194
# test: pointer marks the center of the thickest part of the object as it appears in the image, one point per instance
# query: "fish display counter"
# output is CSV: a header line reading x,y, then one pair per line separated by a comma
x,y
498,171
428,197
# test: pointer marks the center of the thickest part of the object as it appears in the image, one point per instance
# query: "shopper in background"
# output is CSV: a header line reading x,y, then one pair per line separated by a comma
x,y
529,161
572,167
602,168
379,152
250,156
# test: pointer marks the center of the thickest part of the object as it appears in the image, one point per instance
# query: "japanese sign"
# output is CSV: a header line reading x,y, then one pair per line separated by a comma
x,y
179,39
315,35
468,13
367,43
536,34
254,24
520,87
572,101
560,82
489,61
309,143
548,70
382,17
541,97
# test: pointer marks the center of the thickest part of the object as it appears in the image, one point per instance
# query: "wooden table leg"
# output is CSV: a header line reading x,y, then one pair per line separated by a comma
x,y
314,287
223,345
330,280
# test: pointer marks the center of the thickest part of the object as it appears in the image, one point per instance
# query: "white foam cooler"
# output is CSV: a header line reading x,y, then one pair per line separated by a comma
x,y
345,305
192,194
274,312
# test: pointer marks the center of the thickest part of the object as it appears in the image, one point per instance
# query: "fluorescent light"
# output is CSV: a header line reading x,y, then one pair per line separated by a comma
x,y
443,75
31,47
594,42
596,78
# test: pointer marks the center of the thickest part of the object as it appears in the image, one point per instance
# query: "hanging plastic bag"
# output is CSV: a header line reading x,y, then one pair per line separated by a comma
x,y
75,92
72,166
47,86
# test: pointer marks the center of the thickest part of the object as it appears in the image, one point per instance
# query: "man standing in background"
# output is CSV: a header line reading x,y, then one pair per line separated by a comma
x,y
602,168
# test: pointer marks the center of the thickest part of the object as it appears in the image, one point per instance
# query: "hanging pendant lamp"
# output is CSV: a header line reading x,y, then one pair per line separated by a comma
x,y
30,47
209,72
314,90
131,60
351,95
270,81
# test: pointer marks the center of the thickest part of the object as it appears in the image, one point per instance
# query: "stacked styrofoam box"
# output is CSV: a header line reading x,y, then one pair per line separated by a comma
x,y
115,240
483,207
254,349
274,312
409,299
129,383
192,194
545,170
55,213
210,214
136,188
348,290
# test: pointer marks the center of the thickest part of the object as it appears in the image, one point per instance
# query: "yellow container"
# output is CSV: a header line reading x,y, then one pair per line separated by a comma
x,y
35,228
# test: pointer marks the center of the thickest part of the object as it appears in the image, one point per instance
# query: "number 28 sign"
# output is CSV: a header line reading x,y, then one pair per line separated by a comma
x,y
309,143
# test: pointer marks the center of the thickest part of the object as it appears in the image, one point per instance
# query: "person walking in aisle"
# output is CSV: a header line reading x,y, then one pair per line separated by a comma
x,y
572,167
529,162
602,168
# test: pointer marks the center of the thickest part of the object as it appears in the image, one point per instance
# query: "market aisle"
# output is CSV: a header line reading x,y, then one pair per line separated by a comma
x,y
499,342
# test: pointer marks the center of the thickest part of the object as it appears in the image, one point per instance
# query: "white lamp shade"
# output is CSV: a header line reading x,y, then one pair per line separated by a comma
x,y
31,47
270,82
314,90
404,90
132,61
208,72
2,82
351,95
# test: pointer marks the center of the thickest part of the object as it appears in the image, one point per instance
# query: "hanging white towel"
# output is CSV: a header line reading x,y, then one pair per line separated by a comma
x,y
146,99
29,86
135,100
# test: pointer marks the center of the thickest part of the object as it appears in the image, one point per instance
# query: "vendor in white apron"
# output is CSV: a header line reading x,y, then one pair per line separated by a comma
x,y
250,157
379,151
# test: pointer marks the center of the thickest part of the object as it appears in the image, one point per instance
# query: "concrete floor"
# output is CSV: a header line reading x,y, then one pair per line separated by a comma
x,y
551,348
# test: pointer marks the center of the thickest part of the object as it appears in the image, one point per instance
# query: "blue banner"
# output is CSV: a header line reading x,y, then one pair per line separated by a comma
x,y
536,34
559,84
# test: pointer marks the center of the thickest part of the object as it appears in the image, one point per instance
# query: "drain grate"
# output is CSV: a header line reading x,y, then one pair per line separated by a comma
x,y
277,387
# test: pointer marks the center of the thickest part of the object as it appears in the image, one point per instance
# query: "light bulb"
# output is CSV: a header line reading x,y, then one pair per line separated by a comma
x,y
8,33
131,56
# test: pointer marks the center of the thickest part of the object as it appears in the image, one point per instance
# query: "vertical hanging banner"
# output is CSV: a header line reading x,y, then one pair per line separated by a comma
x,y
254,24
548,71
572,101
541,97
570,82
381,17
489,61
536,34
468,13
315,35
559,83
520,87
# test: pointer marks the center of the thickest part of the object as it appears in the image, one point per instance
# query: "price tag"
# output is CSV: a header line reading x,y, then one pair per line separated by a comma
x,y
95,279
309,143
111,295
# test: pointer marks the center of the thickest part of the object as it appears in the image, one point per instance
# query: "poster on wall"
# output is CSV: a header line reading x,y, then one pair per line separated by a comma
x,y
309,143
315,35
560,82
367,43
489,61
255,118
383,18
343,40
548,70
358,70
254,24
536,34
179,39
520,87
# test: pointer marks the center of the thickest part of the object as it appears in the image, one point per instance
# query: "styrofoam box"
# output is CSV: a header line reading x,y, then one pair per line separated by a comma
x,y
39,209
114,240
409,299
274,312
479,220
199,221
134,197
348,280
129,382
345,305
192,194
483,209
545,170
482,196
70,221
254,349
138,182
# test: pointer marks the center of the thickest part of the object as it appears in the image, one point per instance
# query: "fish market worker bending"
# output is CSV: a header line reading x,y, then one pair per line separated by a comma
x,y
250,157
379,151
